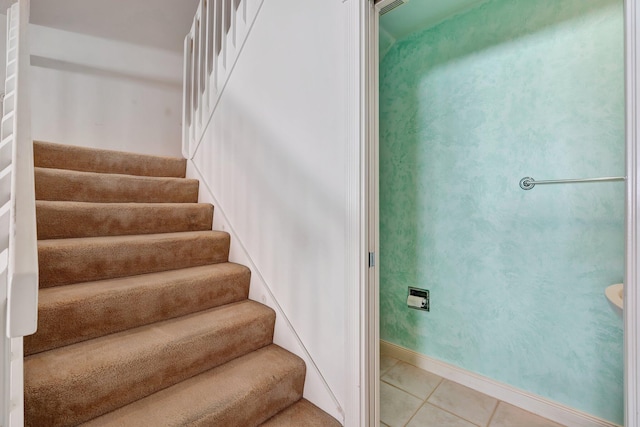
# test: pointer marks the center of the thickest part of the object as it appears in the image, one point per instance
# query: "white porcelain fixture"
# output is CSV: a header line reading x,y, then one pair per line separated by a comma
x,y
614,295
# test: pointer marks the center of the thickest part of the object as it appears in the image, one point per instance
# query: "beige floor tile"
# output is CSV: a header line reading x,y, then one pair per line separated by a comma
x,y
462,401
412,380
509,416
386,363
430,416
396,406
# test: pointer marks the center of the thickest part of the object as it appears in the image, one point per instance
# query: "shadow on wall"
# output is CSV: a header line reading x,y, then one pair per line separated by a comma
x,y
60,65
494,31
287,208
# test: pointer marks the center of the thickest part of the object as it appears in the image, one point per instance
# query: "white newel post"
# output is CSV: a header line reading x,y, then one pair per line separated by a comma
x,y
18,238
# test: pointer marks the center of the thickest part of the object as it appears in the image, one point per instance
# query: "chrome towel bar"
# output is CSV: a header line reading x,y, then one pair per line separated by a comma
x,y
527,183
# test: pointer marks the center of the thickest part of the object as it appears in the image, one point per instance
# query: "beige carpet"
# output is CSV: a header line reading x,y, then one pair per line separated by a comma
x,y
142,319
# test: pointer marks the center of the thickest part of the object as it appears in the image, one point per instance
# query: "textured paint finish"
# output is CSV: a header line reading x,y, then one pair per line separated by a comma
x,y
418,14
513,88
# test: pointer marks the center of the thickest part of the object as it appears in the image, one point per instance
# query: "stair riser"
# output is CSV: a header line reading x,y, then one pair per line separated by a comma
x,y
57,184
243,392
302,413
63,220
259,406
68,261
118,306
59,156
99,387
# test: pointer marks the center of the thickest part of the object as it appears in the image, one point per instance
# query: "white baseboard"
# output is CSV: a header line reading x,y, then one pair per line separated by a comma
x,y
529,402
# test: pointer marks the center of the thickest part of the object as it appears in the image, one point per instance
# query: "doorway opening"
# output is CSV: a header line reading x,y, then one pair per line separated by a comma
x,y
470,105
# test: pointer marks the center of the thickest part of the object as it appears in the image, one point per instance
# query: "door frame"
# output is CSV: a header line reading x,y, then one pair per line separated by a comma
x,y
369,59
631,314
371,314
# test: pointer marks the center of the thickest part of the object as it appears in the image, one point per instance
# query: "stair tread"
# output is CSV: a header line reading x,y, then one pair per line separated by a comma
x,y
69,219
75,260
302,413
70,185
255,386
61,156
118,369
82,311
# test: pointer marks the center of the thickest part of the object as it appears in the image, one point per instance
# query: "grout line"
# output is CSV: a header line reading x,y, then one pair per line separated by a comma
x,y
401,389
426,399
454,414
450,413
382,373
459,416
435,388
412,395
493,414
414,414
424,402
408,392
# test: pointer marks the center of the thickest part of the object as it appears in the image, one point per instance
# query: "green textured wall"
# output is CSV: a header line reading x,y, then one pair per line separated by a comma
x,y
510,89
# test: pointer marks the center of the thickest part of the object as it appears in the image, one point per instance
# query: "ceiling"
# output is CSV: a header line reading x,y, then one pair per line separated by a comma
x,y
419,14
157,23
164,23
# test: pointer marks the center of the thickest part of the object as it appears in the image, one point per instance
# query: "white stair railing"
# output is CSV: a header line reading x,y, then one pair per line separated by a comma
x,y
211,49
18,236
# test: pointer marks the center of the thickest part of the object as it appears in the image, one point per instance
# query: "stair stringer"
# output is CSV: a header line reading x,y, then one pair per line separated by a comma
x,y
316,389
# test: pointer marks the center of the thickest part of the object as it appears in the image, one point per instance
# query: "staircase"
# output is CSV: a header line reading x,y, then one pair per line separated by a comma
x,y
142,319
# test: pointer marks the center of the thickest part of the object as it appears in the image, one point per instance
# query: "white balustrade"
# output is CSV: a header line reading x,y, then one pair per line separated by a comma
x,y
218,33
18,236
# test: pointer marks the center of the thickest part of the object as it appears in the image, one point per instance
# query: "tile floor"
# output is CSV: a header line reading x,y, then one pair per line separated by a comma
x,y
412,397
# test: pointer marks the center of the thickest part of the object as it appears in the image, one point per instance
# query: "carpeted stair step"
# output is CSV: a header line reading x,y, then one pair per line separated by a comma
x,y
67,261
142,319
67,185
75,313
63,220
76,383
59,156
244,392
302,413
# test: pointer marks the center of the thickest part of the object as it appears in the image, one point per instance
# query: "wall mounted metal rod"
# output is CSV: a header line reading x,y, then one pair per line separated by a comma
x,y
527,183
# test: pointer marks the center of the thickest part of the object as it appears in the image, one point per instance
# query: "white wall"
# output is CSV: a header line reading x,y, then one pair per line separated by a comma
x,y
103,93
281,159
3,50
